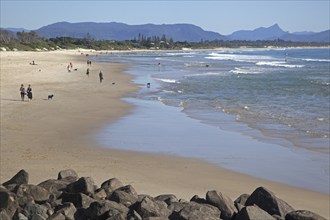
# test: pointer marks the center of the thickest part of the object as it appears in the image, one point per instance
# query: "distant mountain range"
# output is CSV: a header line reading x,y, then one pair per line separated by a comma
x,y
275,32
178,32
121,31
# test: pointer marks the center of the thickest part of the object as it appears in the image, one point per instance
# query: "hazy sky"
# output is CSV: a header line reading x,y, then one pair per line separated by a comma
x,y
223,17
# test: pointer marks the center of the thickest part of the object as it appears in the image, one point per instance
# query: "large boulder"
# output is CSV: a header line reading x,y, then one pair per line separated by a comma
x,y
38,193
106,209
35,211
4,198
22,177
303,215
100,194
197,199
128,189
67,174
79,200
8,201
55,187
67,210
267,201
240,201
196,211
167,198
150,207
83,185
222,202
4,215
111,185
122,197
253,213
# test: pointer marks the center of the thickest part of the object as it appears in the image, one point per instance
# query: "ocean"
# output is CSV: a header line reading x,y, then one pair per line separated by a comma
x,y
263,112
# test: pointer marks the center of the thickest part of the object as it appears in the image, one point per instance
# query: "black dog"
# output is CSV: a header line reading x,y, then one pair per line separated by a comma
x,y
50,97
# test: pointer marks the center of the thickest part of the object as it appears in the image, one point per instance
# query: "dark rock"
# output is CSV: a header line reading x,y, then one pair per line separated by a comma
x,y
83,185
4,198
167,198
67,210
57,216
133,215
11,187
104,209
22,177
242,199
122,197
35,211
54,186
253,213
267,201
196,211
222,202
100,194
128,189
303,215
197,199
79,200
176,206
19,216
150,207
111,185
4,215
38,193
64,174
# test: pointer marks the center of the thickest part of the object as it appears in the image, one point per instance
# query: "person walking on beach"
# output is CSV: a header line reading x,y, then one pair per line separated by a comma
x,y
87,72
29,92
101,76
22,90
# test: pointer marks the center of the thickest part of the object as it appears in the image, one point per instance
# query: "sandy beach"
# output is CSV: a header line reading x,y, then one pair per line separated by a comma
x,y
45,136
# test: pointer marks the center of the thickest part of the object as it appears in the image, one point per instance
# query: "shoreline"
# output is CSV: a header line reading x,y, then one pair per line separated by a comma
x,y
46,136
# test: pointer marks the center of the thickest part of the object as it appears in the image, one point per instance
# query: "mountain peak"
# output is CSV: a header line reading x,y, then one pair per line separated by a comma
x,y
275,27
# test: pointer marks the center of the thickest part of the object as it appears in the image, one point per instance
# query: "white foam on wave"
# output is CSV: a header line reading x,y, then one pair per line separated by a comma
x,y
168,91
238,57
195,64
207,74
167,80
316,60
181,54
278,64
238,70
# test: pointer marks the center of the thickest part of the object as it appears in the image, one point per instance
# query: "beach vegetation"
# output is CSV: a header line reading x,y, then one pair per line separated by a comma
x,y
31,41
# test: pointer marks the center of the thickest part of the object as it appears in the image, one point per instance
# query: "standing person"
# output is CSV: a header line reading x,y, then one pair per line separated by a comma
x,y
29,92
87,72
22,90
101,76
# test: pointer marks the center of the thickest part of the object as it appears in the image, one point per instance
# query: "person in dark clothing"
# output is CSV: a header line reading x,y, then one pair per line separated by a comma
x,y
29,92
22,91
101,76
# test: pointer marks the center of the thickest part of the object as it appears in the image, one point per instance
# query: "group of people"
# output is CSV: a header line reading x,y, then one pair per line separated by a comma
x,y
100,75
28,92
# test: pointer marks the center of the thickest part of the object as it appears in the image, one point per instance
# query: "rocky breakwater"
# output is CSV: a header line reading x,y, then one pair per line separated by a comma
x,y
71,197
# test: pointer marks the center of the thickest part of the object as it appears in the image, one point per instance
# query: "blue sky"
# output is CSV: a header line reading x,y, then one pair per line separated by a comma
x,y
223,17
